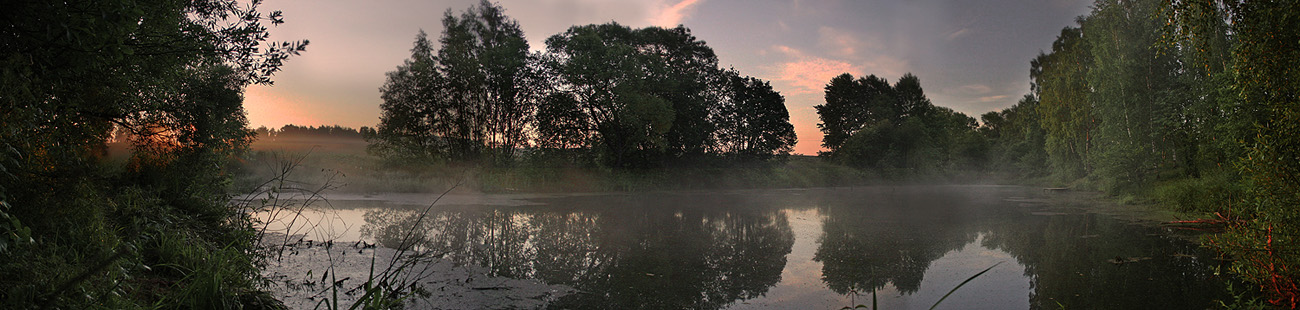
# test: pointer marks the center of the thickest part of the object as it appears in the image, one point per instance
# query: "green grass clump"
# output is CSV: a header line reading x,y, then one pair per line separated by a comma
x,y
135,236
1204,194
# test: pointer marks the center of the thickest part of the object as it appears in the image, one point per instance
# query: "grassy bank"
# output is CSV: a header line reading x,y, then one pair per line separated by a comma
x,y
129,235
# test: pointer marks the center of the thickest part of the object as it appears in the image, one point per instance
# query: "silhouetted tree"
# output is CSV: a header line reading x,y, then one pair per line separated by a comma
x,y
852,105
484,62
414,119
689,66
896,130
476,94
612,83
326,131
626,97
751,119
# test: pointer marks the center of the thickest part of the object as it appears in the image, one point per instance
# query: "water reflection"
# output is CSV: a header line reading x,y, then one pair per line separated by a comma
x,y
1091,261
874,238
715,250
618,254
879,237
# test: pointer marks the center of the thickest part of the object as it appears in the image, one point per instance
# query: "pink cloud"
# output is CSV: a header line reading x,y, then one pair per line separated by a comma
x,y
810,74
672,15
788,51
975,89
987,99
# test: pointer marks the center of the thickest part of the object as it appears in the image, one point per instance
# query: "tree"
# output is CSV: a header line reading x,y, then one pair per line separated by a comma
x,y
689,66
1135,96
484,61
1262,233
561,123
169,75
414,121
840,116
1061,84
632,97
612,83
1215,121
645,97
896,130
852,105
1016,139
752,121
474,97
1168,97
958,146
911,98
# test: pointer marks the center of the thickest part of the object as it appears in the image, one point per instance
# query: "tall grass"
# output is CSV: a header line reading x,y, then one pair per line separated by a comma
x,y
155,235
1210,193
284,197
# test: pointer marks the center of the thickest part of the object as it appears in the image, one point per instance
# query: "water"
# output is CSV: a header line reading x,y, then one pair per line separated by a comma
x,y
786,249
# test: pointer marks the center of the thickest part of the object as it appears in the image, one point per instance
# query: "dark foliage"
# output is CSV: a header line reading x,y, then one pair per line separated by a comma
x,y
605,95
895,130
83,229
1189,102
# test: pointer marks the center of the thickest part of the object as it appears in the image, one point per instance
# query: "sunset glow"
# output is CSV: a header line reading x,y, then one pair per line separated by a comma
x,y
798,46
267,107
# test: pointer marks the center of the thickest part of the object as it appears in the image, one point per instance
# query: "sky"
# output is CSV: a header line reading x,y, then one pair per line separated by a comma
x,y
971,56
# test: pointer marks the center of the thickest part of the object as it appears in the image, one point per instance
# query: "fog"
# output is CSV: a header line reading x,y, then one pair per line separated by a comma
x,y
714,245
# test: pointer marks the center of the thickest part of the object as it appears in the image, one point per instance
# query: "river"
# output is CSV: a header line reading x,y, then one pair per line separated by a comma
x,y
904,247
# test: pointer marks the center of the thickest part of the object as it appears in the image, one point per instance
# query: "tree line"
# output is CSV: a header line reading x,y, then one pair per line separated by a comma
x,y
605,94
323,131
1192,104
1203,112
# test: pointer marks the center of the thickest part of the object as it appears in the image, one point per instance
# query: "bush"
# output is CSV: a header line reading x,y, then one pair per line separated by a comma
x,y
1204,194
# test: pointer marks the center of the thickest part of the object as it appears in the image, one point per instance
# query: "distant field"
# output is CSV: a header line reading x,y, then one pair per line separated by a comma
x,y
340,165
355,146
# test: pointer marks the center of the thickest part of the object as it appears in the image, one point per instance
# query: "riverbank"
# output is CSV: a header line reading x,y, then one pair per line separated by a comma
x,y
342,165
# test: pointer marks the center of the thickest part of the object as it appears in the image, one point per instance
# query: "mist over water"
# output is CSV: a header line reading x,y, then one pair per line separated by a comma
x,y
796,248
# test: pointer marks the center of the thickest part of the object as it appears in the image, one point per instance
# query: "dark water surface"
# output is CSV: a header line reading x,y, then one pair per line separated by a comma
x,y
803,249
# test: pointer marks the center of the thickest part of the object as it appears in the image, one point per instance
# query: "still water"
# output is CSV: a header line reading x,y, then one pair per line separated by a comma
x,y
793,249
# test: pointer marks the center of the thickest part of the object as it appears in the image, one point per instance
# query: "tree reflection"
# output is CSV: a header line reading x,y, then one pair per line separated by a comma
x,y
874,239
619,256
688,259
390,227
1071,260
705,252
